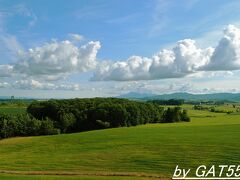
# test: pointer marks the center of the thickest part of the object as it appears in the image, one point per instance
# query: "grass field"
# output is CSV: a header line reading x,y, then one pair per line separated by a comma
x,y
151,150
12,110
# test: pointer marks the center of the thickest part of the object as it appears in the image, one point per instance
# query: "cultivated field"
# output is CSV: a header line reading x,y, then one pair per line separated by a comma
x,y
142,152
13,108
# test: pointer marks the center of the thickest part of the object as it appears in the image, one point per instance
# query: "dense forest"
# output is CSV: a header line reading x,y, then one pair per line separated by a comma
x,y
76,115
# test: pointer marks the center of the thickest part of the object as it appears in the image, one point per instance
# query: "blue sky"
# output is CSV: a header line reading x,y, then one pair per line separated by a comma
x,y
140,27
117,47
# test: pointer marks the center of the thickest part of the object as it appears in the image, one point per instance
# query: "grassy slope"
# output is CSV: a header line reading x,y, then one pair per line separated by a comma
x,y
211,138
12,109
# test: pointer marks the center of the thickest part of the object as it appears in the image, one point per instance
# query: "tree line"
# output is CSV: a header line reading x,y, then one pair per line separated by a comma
x,y
76,115
25,125
211,109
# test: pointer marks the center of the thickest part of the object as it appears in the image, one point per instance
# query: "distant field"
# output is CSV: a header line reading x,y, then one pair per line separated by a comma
x,y
12,110
153,149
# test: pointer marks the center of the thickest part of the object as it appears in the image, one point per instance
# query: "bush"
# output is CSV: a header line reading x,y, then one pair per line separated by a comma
x,y
47,128
175,115
184,116
25,125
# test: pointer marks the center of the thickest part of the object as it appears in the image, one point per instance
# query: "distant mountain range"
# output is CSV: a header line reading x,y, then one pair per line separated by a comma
x,y
135,95
148,96
9,97
185,96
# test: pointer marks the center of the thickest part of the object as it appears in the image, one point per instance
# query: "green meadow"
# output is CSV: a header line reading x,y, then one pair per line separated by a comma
x,y
142,152
12,110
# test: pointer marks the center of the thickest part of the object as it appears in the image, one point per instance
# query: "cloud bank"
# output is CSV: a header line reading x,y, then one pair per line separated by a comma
x,y
183,60
36,85
56,60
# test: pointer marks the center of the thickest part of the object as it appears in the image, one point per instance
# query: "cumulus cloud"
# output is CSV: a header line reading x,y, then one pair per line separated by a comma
x,y
226,55
185,58
135,67
57,59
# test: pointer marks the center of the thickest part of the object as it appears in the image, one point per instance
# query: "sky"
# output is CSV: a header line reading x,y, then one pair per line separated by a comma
x,y
99,48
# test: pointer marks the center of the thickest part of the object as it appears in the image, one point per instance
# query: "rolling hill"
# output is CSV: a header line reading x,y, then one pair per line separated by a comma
x,y
186,96
136,95
141,152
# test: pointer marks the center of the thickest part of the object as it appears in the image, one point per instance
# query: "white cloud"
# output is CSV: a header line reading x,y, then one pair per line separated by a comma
x,y
6,70
226,55
34,84
185,58
57,59
4,85
76,37
212,74
135,67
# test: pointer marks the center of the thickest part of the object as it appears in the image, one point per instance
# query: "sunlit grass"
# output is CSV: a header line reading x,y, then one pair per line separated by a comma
x,y
210,138
12,110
